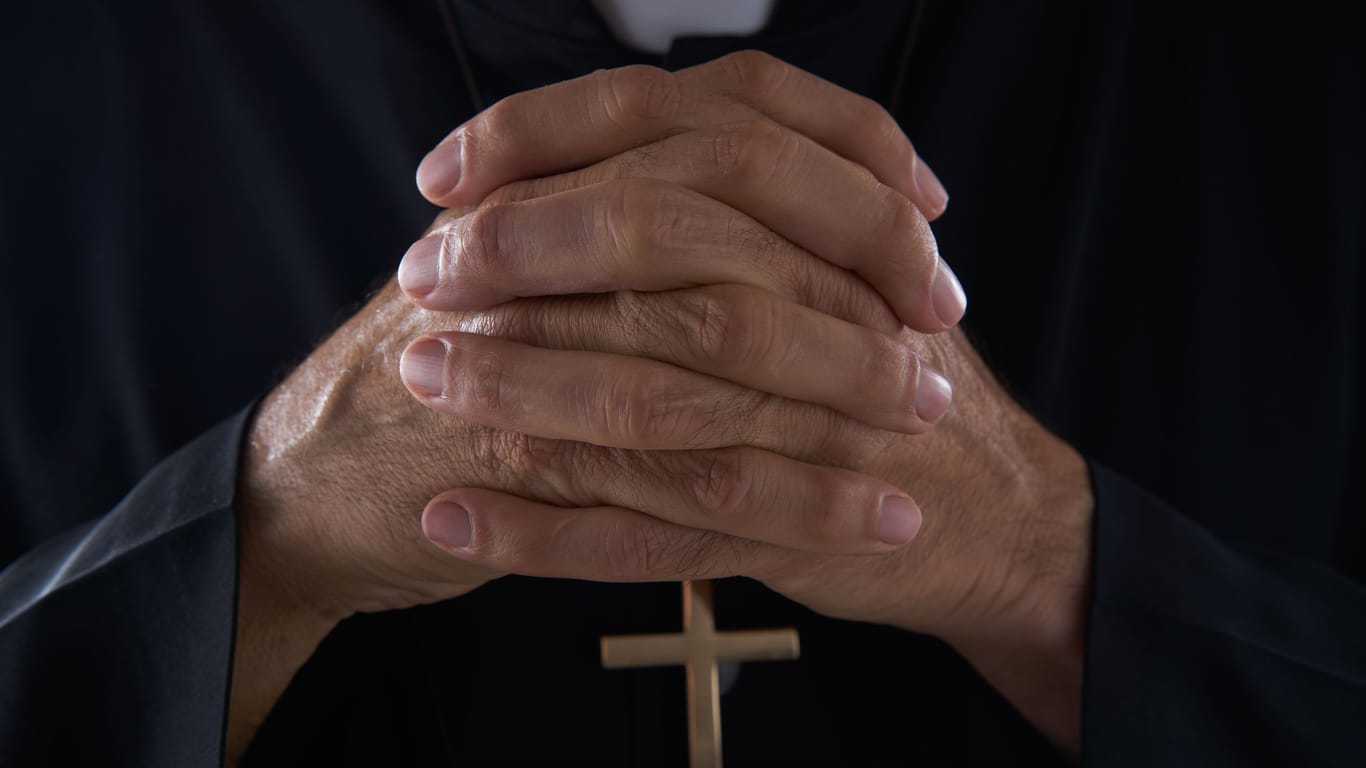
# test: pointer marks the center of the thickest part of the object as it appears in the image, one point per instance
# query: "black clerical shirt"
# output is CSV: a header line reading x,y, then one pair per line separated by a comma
x,y
1157,213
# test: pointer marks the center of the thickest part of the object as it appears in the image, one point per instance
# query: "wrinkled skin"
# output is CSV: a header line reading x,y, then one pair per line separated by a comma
x,y
741,407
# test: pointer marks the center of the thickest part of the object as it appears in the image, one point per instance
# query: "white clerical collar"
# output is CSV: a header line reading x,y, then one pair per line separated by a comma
x,y
652,25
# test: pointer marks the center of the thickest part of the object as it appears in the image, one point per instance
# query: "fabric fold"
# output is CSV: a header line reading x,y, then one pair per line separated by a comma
x,y
136,608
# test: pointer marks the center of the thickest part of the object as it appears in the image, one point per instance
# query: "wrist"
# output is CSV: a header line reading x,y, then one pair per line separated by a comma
x,y
280,623
1052,563
1031,645
277,557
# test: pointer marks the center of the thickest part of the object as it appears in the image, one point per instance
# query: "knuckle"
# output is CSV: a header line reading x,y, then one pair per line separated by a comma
x,y
637,314
500,124
882,129
837,495
754,149
477,243
713,325
641,411
823,514
756,72
481,381
901,227
640,92
904,368
724,484
728,149
888,373
727,330
645,216
901,214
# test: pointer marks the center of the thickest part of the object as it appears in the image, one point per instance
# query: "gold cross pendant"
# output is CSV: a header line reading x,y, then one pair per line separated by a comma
x,y
699,648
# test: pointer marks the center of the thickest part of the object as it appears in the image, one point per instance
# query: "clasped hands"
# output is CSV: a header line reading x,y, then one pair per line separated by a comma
x,y
687,325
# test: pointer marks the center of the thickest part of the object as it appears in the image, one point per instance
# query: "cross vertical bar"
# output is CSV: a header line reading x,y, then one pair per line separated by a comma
x,y
704,695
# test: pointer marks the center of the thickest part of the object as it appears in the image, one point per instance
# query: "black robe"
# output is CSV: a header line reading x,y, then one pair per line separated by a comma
x,y
1157,212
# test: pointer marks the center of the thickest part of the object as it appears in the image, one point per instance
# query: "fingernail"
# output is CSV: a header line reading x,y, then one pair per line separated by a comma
x,y
933,394
950,302
899,521
439,171
423,367
448,524
935,196
420,269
